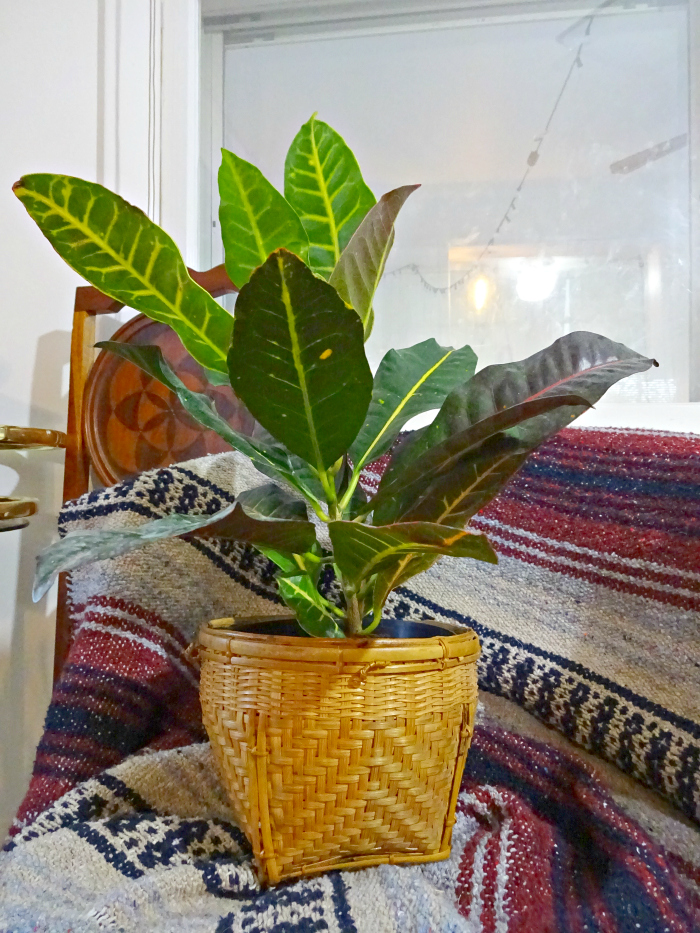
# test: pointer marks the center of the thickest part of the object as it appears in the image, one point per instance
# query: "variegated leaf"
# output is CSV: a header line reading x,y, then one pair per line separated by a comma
x,y
580,364
451,498
424,478
298,362
324,185
360,551
255,219
271,502
311,609
403,569
407,383
119,250
572,374
359,269
83,547
294,535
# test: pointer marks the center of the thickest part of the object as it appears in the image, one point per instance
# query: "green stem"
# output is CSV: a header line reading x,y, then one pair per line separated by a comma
x,y
372,625
318,510
353,606
331,607
366,588
352,484
328,484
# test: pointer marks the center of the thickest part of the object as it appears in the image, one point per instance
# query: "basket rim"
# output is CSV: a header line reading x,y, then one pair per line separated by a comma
x,y
462,643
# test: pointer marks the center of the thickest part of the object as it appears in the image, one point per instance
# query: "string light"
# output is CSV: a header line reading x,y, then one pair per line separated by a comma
x,y
531,161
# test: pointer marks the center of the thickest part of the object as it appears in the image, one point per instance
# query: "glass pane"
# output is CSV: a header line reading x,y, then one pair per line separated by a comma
x,y
554,162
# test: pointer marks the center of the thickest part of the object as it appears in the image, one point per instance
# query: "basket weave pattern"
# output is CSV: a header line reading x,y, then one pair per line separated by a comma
x,y
339,757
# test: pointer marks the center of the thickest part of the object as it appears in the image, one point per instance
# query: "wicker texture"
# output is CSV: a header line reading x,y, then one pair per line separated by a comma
x,y
337,756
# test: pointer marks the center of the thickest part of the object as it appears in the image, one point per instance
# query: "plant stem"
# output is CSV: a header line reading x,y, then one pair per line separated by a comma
x,y
353,619
318,510
354,479
328,483
353,606
372,625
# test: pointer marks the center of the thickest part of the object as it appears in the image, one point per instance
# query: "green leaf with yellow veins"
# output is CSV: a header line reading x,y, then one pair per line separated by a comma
x,y
120,251
255,219
298,362
311,609
363,550
408,382
395,575
324,185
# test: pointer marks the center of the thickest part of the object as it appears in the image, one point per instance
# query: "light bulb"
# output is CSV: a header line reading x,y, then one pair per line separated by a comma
x,y
481,293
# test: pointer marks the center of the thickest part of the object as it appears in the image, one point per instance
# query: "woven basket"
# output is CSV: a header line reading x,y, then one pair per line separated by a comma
x,y
339,753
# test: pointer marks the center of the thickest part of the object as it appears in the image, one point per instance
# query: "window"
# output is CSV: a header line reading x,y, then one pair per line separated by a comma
x,y
552,144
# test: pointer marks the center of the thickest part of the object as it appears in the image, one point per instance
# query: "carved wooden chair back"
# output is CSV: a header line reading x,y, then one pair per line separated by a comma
x,y
121,421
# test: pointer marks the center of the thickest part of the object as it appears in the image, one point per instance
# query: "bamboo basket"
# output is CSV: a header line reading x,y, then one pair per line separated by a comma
x,y
339,753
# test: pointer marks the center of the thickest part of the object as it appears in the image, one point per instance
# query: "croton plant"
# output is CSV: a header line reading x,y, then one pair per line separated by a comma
x,y
307,266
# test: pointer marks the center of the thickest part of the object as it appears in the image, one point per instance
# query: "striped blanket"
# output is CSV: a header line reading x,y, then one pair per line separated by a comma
x,y
538,847
589,622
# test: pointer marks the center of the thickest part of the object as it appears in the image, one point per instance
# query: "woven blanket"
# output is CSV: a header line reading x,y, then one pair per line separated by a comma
x,y
538,847
589,621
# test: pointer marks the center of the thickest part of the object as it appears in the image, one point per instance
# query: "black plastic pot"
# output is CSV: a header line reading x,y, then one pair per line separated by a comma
x,y
387,628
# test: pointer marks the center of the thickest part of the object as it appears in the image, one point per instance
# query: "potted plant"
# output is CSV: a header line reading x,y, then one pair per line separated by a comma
x,y
346,748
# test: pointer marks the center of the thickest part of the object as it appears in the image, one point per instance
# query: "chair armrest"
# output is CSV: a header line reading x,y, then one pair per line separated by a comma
x,y
14,438
15,512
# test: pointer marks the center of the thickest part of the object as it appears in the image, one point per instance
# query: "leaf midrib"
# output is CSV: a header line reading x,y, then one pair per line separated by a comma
x,y
472,486
90,234
416,547
581,372
249,211
370,287
324,191
380,271
399,408
398,570
300,371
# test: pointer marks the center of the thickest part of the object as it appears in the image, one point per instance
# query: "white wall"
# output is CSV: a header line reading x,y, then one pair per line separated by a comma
x,y
48,67
106,90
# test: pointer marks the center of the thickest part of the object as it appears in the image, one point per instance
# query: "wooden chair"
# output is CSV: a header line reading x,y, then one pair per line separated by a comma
x,y
120,421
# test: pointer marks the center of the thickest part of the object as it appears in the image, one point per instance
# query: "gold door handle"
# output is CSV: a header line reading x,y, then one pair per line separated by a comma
x,y
14,438
15,512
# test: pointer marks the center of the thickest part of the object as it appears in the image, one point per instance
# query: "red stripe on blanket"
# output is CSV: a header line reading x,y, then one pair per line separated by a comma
x,y
571,783
670,599
124,687
605,538
146,635
133,610
505,871
635,567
